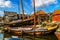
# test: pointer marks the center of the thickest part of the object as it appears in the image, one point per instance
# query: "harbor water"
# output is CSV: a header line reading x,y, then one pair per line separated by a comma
x,y
28,37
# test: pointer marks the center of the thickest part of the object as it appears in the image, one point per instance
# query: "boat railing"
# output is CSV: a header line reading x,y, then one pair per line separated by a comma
x,y
20,29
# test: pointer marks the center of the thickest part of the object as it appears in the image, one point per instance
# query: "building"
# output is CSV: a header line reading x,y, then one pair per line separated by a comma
x,y
9,16
26,16
1,20
19,16
56,16
40,16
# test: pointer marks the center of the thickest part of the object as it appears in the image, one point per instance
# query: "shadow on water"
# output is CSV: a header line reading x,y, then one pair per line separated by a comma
x,y
48,37
28,37
43,37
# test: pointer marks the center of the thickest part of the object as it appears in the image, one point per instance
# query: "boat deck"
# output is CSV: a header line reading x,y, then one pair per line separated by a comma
x,y
20,21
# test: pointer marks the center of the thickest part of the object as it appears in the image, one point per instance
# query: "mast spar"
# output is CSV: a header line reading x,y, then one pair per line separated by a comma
x,y
22,10
34,14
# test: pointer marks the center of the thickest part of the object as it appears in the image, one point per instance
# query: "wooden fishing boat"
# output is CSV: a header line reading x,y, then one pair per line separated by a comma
x,y
43,30
32,31
38,30
17,30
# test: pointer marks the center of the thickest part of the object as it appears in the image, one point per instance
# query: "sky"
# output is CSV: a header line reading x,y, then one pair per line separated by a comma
x,y
14,5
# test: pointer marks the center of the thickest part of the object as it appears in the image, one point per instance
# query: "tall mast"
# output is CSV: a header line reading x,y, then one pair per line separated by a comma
x,y
22,10
19,9
34,14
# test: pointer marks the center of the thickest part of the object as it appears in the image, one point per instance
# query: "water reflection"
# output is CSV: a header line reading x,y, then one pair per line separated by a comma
x,y
8,36
15,39
1,36
44,37
27,37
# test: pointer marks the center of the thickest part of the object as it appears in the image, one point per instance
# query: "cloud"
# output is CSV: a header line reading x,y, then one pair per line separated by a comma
x,y
32,13
1,13
25,13
4,3
1,3
8,3
39,3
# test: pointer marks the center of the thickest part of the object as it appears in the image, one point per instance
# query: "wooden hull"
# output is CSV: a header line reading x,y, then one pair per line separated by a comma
x,y
14,32
38,33
31,32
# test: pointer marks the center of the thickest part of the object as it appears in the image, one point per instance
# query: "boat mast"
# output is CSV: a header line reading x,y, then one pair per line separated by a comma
x,y
34,14
22,10
19,10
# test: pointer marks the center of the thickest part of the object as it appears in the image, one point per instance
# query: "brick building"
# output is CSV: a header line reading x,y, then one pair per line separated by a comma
x,y
56,16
